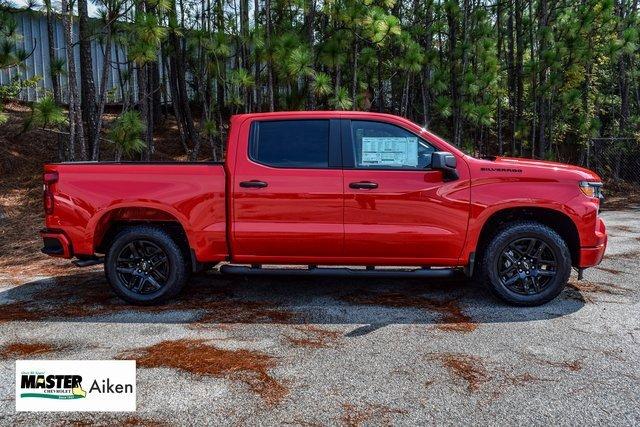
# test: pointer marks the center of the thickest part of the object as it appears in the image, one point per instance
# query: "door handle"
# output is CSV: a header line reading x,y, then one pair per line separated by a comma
x,y
253,184
363,185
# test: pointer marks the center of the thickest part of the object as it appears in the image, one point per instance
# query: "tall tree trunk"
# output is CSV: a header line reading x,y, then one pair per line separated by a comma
x,y
309,22
175,101
102,95
244,33
427,74
624,85
76,131
151,148
519,81
380,94
623,76
156,90
354,77
181,101
87,85
124,93
267,11
534,82
55,78
453,73
511,79
143,103
256,65
222,69
542,105
244,50
499,47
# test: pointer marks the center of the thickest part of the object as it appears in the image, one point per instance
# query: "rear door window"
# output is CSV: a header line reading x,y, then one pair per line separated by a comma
x,y
290,143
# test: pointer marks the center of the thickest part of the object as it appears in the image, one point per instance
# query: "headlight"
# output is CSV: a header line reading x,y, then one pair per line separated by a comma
x,y
591,189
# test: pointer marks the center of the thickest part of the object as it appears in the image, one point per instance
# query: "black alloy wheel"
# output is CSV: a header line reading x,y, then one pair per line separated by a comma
x,y
527,266
143,267
525,263
146,265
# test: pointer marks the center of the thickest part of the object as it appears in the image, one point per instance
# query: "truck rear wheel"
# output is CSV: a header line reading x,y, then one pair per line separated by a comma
x,y
144,265
526,264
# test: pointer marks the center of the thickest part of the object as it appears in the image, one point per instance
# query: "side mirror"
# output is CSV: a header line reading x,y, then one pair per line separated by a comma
x,y
445,162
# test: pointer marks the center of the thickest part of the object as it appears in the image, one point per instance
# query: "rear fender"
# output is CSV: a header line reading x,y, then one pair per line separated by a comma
x,y
142,211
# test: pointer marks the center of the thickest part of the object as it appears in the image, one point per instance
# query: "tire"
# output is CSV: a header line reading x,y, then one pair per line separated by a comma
x,y
145,266
510,253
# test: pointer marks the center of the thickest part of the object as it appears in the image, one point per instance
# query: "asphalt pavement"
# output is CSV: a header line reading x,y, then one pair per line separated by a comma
x,y
344,351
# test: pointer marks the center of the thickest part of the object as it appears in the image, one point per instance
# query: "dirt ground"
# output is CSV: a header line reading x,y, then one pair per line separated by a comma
x,y
337,351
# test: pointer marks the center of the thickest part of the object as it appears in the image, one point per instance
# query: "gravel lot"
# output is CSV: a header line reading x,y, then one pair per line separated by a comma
x,y
345,351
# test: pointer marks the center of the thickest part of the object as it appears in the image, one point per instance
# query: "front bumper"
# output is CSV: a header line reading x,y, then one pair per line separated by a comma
x,y
592,255
56,244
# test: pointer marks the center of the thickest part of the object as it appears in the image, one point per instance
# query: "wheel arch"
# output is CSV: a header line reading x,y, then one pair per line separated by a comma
x,y
107,226
557,220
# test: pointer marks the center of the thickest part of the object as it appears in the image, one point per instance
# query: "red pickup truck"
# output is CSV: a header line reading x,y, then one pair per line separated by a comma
x,y
324,189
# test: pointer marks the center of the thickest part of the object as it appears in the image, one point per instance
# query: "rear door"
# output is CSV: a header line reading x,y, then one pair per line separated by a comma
x,y
288,192
397,210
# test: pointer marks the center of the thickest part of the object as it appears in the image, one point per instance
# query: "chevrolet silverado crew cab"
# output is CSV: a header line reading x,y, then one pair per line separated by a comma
x,y
372,192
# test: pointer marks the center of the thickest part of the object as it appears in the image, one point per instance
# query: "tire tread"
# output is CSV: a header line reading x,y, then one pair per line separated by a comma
x,y
510,231
174,252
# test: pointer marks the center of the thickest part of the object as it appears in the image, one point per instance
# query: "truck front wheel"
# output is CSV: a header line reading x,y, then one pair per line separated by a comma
x,y
527,264
144,265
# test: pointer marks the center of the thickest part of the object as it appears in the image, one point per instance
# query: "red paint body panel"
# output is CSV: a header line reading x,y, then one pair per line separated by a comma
x,y
88,196
298,218
411,216
536,184
311,216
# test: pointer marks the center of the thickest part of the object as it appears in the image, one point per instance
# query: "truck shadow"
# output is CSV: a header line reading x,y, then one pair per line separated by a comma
x,y
211,299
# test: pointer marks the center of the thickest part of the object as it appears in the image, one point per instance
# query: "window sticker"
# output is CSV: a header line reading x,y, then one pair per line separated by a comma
x,y
389,151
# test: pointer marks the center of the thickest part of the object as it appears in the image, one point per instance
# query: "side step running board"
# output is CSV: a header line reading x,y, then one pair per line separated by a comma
x,y
439,273
86,262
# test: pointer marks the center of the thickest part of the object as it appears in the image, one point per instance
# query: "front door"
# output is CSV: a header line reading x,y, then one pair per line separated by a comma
x,y
287,192
397,210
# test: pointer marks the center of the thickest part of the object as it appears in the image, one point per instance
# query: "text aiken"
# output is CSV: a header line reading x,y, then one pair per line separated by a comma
x,y
107,387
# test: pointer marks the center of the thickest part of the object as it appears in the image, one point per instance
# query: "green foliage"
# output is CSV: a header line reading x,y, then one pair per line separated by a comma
x,y
160,5
146,38
242,78
333,54
341,100
572,73
58,67
141,53
148,30
322,84
412,59
299,62
126,132
45,113
10,55
16,85
209,129
443,106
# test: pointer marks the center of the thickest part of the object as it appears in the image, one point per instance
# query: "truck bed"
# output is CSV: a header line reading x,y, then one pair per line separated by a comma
x,y
90,197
